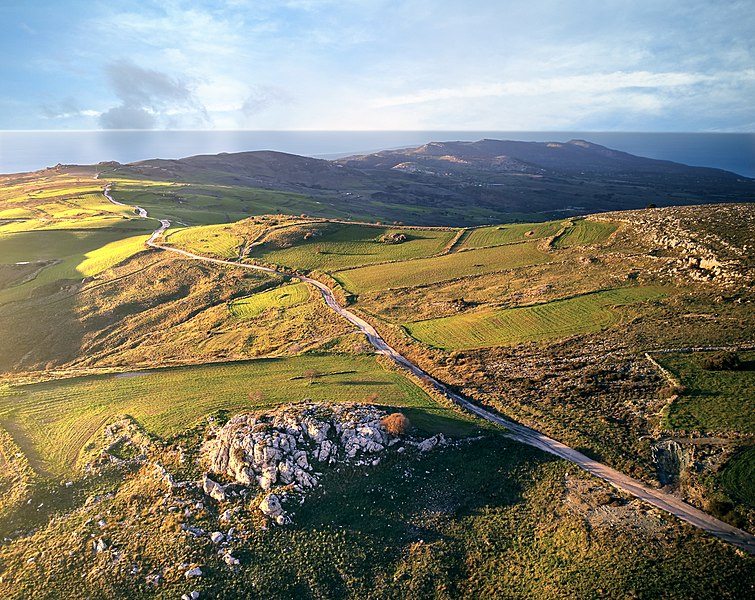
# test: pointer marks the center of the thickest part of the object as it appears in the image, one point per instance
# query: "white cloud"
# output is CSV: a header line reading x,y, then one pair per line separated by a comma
x,y
583,84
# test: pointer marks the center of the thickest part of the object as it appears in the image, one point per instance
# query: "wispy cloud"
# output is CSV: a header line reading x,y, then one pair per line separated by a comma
x,y
584,84
145,96
425,64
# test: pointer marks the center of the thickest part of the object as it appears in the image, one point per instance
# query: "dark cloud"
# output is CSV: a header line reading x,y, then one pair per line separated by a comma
x,y
146,96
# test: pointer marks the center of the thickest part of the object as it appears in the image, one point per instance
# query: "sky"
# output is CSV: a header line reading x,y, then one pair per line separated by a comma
x,y
526,65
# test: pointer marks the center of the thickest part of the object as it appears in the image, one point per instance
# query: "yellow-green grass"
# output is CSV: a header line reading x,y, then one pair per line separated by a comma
x,y
509,234
215,240
711,400
72,255
53,421
206,204
17,213
560,318
441,268
585,232
738,477
340,246
282,297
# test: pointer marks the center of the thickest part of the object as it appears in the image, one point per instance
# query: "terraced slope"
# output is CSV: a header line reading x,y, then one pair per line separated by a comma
x,y
441,268
560,318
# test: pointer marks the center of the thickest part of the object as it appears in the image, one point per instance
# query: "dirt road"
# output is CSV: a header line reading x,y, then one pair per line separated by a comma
x,y
520,433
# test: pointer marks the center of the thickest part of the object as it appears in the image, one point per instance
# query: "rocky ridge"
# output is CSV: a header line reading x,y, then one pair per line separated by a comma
x,y
283,452
706,251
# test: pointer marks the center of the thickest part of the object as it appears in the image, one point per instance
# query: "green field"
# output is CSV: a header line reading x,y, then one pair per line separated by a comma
x,y
207,204
214,240
53,421
738,477
334,246
71,232
441,268
584,233
282,297
510,234
82,254
559,318
712,400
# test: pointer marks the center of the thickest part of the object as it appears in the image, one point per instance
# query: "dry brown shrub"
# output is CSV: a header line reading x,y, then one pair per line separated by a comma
x,y
396,423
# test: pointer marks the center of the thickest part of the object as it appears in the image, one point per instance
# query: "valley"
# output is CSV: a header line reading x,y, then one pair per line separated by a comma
x,y
564,327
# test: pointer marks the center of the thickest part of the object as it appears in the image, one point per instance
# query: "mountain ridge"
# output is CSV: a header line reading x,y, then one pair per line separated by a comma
x,y
462,183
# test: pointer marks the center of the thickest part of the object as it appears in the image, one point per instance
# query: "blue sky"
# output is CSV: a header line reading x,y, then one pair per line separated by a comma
x,y
631,65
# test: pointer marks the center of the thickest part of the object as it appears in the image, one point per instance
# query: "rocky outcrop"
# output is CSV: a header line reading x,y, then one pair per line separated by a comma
x,y
288,448
671,461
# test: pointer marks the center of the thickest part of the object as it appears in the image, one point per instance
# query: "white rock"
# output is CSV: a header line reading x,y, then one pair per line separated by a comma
x,y
428,444
271,506
100,546
195,572
226,516
213,489
231,561
216,537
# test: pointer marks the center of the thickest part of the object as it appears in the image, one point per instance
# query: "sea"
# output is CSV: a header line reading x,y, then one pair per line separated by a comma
x,y
22,151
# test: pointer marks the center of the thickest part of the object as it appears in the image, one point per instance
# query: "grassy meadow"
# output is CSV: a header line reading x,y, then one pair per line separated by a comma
x,y
424,271
584,232
211,240
285,296
483,237
560,318
711,400
334,246
53,421
738,477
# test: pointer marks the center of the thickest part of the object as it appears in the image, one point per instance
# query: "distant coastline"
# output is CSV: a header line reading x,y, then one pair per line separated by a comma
x,y
32,150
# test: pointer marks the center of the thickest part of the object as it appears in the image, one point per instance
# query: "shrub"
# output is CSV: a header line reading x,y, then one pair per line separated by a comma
x,y
721,361
396,423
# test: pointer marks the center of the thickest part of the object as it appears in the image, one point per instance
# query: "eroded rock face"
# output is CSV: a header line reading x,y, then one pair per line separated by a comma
x,y
283,447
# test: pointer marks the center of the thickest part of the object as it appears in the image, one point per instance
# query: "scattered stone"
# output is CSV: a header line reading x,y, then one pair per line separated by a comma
x,y
213,489
271,506
226,516
99,546
430,443
231,561
217,537
195,572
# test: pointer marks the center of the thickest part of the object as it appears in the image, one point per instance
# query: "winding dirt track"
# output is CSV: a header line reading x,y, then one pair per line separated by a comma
x,y
520,433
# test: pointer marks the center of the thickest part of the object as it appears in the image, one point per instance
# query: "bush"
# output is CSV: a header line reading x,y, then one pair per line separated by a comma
x,y
396,423
721,361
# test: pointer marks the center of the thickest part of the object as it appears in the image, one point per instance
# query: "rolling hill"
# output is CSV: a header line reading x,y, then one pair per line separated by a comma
x,y
461,183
